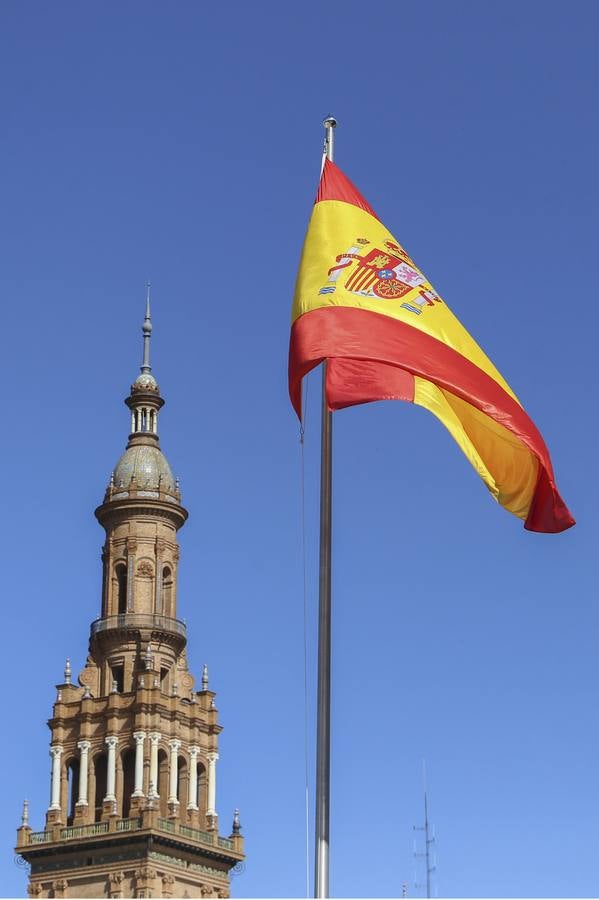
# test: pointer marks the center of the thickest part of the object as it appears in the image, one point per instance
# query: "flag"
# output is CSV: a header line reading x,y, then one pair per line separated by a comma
x,y
363,304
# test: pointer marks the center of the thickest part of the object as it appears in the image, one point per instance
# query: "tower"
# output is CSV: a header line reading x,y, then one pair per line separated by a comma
x,y
134,745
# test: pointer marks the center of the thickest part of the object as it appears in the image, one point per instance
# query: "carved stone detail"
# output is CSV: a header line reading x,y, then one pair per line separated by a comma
x,y
187,681
145,877
89,675
59,887
115,884
168,885
145,569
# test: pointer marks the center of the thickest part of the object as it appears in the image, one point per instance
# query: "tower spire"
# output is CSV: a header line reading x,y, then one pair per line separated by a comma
x,y
145,400
146,329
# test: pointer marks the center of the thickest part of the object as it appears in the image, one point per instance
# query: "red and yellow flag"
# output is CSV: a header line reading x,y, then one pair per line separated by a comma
x,y
364,305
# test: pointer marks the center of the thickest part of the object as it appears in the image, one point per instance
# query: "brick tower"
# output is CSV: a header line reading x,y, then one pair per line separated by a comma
x,y
134,746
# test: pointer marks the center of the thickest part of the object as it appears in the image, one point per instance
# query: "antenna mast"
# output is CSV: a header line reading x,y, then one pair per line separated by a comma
x,y
428,841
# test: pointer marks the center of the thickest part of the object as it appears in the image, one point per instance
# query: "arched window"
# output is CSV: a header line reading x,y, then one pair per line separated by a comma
x,y
182,782
128,760
73,783
167,591
201,798
163,782
117,679
100,772
121,587
164,679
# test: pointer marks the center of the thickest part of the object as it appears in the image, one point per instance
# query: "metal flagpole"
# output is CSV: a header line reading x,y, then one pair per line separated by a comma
x,y
323,720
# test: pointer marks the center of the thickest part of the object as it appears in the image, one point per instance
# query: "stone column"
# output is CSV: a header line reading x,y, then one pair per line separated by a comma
x,y
211,757
173,771
193,777
139,737
84,747
111,742
55,753
154,741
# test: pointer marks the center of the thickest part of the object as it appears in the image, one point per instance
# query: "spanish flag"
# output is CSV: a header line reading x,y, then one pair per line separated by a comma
x,y
364,305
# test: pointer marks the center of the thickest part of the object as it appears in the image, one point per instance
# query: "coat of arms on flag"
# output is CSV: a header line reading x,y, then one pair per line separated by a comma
x,y
383,274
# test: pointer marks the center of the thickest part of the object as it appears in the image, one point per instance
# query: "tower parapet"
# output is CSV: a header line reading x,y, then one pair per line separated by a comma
x,y
134,745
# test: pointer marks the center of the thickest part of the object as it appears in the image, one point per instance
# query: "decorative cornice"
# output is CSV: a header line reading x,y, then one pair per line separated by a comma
x,y
115,511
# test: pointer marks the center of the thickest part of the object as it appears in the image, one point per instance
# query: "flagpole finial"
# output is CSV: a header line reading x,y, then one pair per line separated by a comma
x,y
330,123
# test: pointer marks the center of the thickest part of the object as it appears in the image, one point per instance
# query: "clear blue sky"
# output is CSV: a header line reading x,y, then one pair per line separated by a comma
x,y
181,142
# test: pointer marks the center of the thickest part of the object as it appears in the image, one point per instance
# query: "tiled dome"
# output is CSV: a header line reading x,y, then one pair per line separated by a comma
x,y
148,464
145,382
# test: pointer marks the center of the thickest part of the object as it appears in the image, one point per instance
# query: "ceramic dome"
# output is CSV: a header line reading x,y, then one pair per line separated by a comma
x,y
149,466
145,382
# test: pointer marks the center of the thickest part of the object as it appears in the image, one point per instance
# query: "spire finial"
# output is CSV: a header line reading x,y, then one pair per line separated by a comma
x,y
25,816
205,678
67,671
146,330
236,823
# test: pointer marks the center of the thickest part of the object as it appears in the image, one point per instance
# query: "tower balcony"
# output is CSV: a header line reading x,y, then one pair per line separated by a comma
x,y
134,626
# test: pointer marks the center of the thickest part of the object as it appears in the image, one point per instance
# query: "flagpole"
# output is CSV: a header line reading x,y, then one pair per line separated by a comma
x,y
323,717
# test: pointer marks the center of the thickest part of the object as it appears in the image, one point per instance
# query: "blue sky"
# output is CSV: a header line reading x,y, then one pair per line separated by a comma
x,y
181,142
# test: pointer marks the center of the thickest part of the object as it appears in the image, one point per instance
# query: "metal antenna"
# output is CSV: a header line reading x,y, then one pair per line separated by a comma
x,y
428,840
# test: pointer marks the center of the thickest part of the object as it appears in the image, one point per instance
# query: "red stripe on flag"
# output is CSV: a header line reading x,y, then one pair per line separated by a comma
x,y
365,381
334,185
361,335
